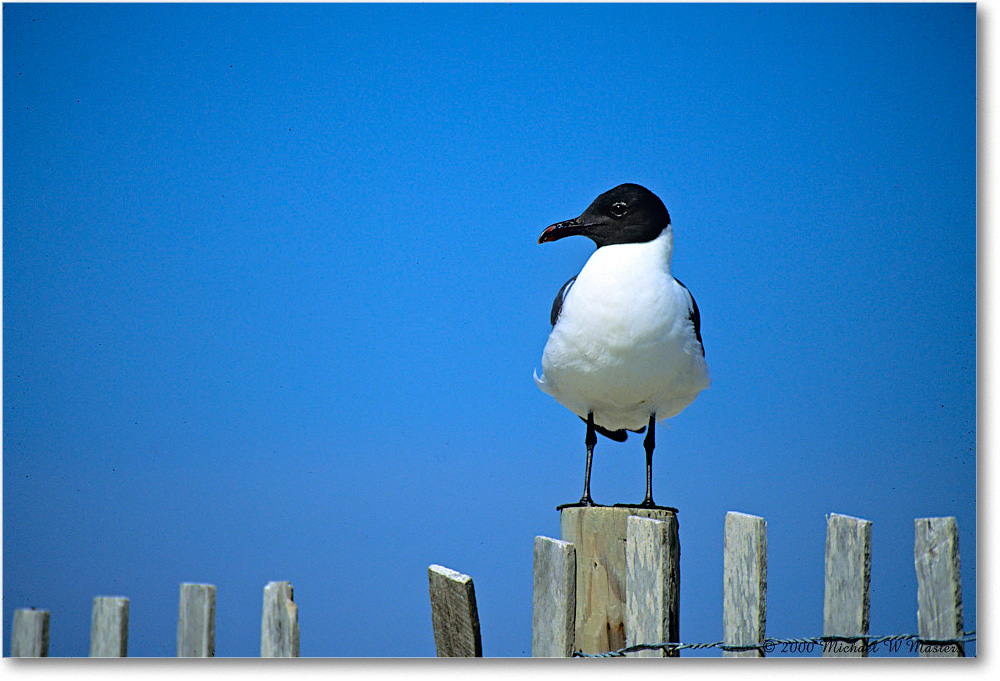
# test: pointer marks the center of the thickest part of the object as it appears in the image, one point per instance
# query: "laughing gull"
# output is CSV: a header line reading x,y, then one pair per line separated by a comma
x,y
625,349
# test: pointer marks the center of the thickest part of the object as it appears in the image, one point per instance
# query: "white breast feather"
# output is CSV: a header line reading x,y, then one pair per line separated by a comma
x,y
624,344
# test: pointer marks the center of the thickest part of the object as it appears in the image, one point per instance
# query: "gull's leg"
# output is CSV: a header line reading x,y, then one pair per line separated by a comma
x,y
591,440
649,443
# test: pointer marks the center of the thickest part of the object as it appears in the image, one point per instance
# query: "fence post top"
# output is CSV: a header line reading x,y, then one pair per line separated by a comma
x,y
550,540
738,515
834,516
449,573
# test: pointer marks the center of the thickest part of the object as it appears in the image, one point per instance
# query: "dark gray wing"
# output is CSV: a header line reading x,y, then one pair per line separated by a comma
x,y
558,302
694,316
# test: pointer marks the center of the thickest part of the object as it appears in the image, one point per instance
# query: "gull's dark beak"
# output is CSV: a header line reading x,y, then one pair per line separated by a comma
x,y
561,229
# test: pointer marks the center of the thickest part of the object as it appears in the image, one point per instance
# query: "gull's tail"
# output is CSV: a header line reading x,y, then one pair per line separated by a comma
x,y
542,384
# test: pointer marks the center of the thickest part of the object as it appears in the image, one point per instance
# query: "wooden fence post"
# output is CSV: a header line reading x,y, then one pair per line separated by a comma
x,y
196,621
553,616
109,627
744,588
453,613
847,585
599,534
652,584
29,636
939,586
279,625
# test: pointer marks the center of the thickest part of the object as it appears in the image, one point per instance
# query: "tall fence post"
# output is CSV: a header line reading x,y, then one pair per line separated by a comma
x,y
652,584
196,621
279,625
29,636
939,586
599,534
453,613
109,627
744,588
847,585
553,613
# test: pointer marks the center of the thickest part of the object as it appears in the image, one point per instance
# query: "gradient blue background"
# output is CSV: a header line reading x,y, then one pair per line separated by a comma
x,y
272,300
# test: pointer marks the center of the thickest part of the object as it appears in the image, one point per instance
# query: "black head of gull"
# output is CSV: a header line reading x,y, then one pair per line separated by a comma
x,y
627,214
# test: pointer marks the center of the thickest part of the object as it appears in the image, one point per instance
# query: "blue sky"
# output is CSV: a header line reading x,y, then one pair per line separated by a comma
x,y
272,300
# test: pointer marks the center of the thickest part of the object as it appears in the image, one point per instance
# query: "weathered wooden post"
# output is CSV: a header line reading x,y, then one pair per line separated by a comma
x,y
553,617
29,635
279,625
652,584
744,588
847,590
109,627
939,586
599,534
196,621
453,613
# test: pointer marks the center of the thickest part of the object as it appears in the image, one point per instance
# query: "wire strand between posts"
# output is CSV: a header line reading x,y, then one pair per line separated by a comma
x,y
771,644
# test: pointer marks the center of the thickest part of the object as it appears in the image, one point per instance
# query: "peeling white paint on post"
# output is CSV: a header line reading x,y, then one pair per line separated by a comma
x,y
553,617
939,585
652,584
744,588
196,621
279,626
847,585
453,613
109,627
29,635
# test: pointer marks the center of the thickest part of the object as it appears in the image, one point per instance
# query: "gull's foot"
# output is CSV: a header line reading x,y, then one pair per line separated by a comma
x,y
647,505
585,501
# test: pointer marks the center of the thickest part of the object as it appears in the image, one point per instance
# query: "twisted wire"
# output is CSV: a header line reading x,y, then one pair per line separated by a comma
x,y
769,644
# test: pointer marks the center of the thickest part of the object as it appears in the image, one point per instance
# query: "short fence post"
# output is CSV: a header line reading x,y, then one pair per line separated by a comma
x,y
599,534
29,636
196,621
652,584
109,627
279,626
453,613
553,617
744,588
939,586
847,591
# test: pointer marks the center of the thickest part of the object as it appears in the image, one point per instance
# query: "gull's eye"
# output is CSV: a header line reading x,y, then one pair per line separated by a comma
x,y
618,209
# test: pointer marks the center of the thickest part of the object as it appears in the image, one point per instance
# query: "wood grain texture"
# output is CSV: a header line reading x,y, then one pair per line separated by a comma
x,y
652,584
29,635
939,585
196,621
553,612
453,613
279,624
847,584
599,534
109,627
744,592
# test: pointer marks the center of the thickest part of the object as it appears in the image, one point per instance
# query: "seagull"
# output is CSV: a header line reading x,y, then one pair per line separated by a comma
x,y
625,350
